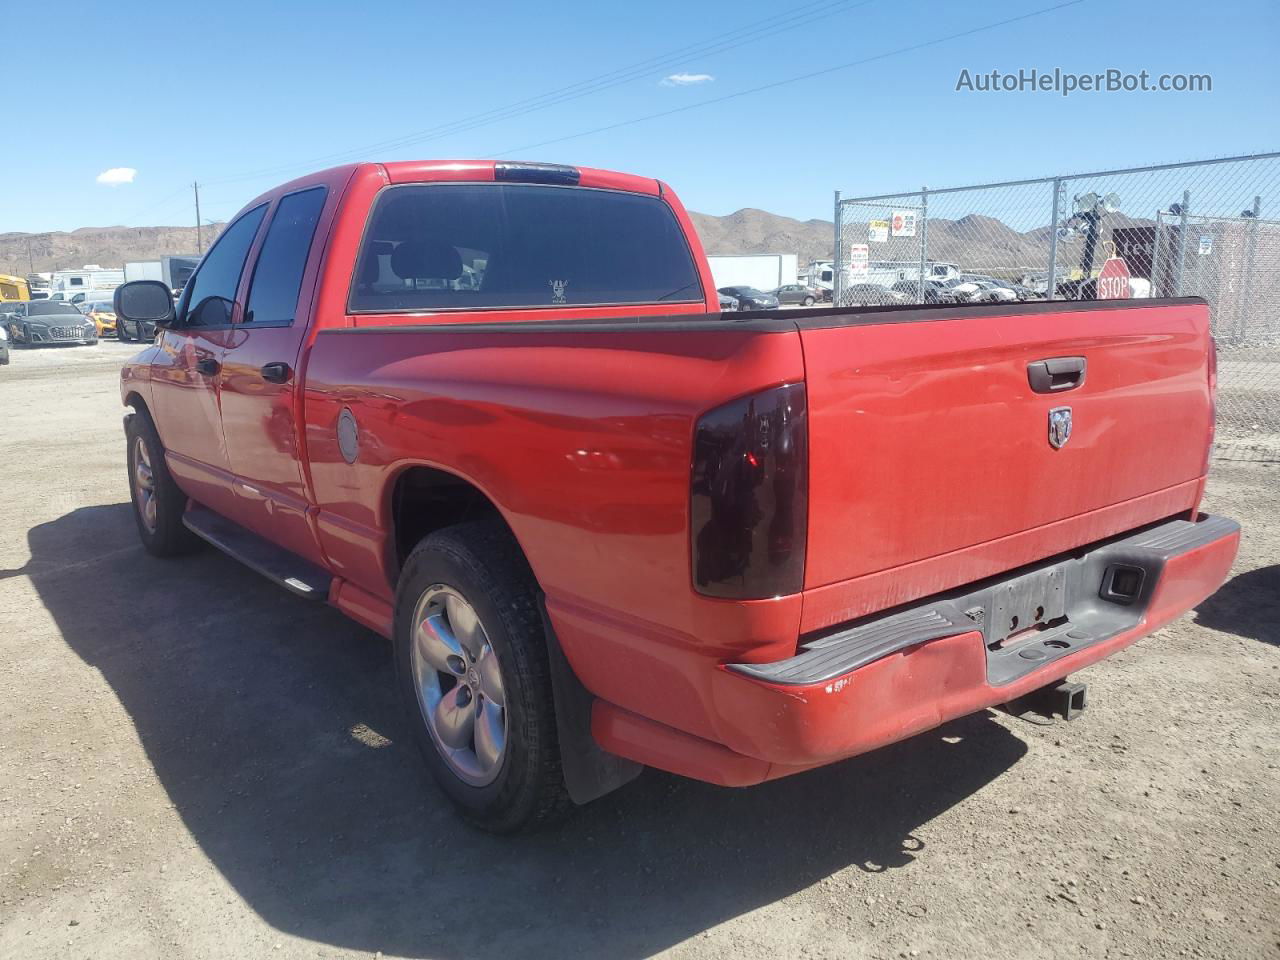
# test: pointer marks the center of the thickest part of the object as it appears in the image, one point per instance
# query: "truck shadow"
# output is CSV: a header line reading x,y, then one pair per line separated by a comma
x,y
271,724
1247,605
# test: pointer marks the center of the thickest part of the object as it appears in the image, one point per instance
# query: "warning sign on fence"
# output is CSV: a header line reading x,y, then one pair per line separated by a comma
x,y
859,256
878,231
904,223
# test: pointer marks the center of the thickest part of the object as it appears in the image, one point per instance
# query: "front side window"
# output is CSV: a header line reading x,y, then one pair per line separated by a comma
x,y
211,295
489,245
277,278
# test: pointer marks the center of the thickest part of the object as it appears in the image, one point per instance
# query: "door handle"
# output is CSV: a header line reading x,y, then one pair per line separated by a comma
x,y
1057,374
208,366
277,372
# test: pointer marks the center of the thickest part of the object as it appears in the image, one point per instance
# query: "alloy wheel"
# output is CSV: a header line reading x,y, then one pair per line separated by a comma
x,y
458,681
144,484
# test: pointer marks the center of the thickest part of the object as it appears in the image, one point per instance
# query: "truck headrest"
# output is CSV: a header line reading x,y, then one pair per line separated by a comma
x,y
426,260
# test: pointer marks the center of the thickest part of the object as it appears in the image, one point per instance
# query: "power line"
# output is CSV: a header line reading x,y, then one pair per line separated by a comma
x,y
749,33
796,79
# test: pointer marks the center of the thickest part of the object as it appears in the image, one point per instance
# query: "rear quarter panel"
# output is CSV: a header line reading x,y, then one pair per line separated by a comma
x,y
582,439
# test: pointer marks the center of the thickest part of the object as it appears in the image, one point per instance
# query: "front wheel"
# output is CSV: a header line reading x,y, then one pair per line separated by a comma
x,y
158,504
808,301
474,677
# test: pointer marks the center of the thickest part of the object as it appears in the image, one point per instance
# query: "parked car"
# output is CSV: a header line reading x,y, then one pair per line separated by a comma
x,y
102,313
961,290
4,344
992,291
796,293
934,291
749,298
872,295
1024,293
101,294
656,534
38,322
130,330
727,302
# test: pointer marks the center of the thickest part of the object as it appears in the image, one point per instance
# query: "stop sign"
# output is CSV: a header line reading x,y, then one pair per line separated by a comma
x,y
1113,280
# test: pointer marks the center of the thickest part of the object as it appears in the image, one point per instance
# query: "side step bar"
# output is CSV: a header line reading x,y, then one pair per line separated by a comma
x,y
298,576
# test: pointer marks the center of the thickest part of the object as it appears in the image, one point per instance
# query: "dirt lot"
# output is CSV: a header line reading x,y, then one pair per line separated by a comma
x,y
195,764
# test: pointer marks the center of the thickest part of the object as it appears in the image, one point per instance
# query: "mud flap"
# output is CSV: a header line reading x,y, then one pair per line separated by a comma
x,y
589,771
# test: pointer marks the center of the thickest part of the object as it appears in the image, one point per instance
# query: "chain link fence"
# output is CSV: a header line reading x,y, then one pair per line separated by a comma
x,y
1209,229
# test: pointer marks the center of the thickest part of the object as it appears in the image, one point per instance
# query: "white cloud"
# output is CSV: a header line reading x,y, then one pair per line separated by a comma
x,y
117,175
687,79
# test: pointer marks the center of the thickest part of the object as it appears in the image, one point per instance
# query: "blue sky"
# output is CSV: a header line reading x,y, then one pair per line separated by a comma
x,y
243,95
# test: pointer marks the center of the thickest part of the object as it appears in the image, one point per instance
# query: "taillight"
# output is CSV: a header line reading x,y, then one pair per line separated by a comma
x,y
749,501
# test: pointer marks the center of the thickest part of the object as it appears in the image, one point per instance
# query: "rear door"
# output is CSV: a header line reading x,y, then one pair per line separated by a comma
x,y
185,374
933,451
260,396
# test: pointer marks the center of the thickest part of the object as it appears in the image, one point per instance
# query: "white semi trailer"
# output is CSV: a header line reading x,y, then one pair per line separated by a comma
x,y
764,271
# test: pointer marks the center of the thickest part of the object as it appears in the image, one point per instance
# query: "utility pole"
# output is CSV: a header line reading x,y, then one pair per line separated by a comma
x,y
199,242
31,264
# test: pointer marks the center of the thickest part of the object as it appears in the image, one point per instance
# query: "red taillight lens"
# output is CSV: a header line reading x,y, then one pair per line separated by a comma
x,y
749,502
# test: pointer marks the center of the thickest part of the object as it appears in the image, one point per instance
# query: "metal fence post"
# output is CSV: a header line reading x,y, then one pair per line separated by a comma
x,y
1051,290
924,241
835,268
1157,249
1250,256
1182,243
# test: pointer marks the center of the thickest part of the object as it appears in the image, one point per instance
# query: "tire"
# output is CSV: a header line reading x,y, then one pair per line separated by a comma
x,y
122,332
159,524
808,301
480,564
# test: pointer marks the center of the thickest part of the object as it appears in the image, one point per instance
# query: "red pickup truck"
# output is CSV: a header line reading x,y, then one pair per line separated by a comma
x,y
493,412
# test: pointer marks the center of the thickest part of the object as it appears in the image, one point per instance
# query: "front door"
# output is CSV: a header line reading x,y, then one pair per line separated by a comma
x,y
261,393
186,373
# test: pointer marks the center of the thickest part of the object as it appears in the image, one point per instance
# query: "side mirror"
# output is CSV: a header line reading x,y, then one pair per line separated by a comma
x,y
148,301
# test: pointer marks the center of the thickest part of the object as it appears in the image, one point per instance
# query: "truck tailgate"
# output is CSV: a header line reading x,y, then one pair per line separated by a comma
x,y
926,437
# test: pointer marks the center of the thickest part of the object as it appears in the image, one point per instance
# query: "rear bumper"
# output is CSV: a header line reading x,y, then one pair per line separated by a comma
x,y
879,681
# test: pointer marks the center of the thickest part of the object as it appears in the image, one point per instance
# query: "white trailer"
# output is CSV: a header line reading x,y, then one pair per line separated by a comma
x,y
72,285
884,273
765,271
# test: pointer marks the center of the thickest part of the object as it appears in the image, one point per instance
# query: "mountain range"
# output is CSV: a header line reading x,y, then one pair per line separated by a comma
x,y
977,242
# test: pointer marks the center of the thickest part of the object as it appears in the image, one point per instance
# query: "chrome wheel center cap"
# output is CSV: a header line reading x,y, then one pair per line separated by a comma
x,y
473,678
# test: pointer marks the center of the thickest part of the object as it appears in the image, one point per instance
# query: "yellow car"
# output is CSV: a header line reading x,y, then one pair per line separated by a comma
x,y
102,315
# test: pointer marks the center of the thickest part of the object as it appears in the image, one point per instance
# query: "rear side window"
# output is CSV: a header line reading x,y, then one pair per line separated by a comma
x,y
277,279
479,245
211,294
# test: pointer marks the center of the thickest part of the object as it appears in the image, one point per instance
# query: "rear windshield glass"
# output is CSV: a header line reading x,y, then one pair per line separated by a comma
x,y
476,245
40,308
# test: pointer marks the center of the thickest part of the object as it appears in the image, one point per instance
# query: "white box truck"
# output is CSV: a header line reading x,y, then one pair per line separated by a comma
x,y
173,271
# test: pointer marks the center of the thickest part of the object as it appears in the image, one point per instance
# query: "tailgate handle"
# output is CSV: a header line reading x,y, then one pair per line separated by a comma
x,y
1056,374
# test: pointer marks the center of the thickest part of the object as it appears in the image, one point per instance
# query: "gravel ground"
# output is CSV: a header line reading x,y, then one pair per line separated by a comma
x,y
196,764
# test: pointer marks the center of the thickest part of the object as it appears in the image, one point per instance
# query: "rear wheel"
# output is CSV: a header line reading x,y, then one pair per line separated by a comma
x,y
474,677
158,504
